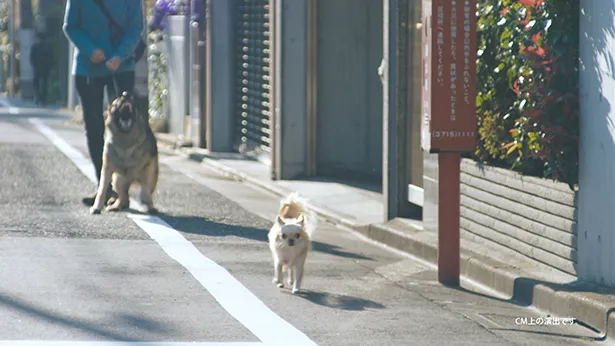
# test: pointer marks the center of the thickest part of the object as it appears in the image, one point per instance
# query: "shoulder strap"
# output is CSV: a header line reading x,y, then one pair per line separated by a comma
x,y
107,14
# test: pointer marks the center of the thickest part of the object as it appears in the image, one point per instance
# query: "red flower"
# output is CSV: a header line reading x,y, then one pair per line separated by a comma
x,y
516,88
540,52
531,3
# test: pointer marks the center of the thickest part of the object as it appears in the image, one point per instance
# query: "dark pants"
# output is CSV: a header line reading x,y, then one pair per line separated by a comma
x,y
40,87
91,93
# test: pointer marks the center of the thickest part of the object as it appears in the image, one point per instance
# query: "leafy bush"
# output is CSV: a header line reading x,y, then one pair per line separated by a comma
x,y
157,67
157,83
527,97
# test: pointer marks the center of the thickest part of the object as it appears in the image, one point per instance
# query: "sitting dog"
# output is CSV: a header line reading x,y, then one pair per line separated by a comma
x,y
290,241
130,155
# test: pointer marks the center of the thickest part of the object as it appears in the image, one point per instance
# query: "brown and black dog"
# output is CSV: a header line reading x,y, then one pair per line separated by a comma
x,y
130,155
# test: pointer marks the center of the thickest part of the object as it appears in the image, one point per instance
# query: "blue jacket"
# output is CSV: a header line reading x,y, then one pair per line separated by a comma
x,y
88,28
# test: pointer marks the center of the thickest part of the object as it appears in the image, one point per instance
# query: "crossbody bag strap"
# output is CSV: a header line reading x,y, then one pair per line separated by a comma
x,y
108,15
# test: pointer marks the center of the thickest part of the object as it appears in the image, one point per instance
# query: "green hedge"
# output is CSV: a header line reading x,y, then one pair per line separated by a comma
x,y
157,83
527,97
157,76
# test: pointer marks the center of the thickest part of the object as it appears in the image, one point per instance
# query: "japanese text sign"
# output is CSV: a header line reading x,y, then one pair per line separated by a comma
x,y
449,122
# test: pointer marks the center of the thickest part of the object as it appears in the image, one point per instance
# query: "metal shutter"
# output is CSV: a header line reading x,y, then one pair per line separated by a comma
x,y
253,101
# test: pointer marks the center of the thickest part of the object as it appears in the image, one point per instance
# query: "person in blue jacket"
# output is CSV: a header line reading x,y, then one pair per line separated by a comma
x,y
105,34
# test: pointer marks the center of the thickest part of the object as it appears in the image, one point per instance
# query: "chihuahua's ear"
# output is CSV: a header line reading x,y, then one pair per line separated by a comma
x,y
280,220
301,219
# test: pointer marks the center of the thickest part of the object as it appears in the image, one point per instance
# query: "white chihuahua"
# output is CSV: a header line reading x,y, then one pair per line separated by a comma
x,y
290,241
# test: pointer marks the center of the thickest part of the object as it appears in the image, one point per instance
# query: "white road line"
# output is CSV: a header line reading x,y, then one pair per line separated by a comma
x,y
82,162
121,343
233,296
6,103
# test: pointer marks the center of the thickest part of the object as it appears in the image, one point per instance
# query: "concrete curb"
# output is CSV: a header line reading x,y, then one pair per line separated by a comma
x,y
592,310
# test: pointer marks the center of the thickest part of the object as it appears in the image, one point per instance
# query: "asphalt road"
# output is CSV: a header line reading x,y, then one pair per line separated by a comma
x,y
201,271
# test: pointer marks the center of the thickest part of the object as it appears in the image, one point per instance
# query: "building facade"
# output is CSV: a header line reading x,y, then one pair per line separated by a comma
x,y
304,87
332,89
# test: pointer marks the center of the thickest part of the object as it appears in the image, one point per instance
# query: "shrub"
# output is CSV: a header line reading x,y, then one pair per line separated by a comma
x,y
527,97
157,83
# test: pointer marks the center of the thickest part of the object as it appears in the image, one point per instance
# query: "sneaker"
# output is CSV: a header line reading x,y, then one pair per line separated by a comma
x,y
89,199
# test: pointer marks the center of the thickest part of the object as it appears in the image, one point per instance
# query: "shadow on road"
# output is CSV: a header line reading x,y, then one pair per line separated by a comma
x,y
338,301
130,322
203,226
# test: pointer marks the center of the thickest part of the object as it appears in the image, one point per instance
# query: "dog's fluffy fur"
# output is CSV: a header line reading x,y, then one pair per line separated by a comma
x,y
290,240
130,155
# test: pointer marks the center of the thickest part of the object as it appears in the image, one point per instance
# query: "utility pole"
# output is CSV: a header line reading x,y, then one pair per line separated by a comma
x,y
12,47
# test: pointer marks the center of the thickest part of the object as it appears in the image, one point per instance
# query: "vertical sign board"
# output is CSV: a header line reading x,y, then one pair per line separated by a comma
x,y
449,76
449,122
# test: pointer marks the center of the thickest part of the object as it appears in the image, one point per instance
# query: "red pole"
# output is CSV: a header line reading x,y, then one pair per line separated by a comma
x,y
448,218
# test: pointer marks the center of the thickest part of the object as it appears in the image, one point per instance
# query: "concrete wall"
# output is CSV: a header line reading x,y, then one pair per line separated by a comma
x,y
26,73
290,89
596,253
177,44
349,88
220,76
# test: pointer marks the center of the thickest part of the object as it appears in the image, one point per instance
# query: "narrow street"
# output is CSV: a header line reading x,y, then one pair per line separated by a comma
x,y
201,271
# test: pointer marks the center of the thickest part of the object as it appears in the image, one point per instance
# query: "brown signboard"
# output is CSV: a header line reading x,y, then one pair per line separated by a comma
x,y
449,122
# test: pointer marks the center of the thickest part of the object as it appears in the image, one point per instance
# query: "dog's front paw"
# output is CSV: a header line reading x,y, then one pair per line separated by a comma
x,y
295,290
112,208
94,211
277,282
117,206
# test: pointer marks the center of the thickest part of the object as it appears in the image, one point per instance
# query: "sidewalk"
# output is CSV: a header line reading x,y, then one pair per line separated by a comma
x,y
29,107
360,208
336,201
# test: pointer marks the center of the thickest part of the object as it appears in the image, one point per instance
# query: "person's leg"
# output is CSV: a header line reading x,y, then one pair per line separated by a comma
x,y
124,81
37,88
110,88
43,91
90,92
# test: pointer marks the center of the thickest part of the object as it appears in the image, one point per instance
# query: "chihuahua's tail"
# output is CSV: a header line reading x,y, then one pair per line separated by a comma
x,y
294,206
